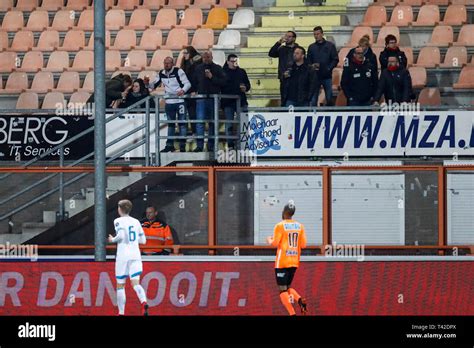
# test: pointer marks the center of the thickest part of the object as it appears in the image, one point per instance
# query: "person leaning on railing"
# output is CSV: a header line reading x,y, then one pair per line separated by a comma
x,y
115,90
135,93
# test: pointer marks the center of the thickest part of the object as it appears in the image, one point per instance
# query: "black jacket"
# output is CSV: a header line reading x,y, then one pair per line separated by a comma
x,y
234,79
131,99
394,85
369,54
113,91
402,58
359,82
325,54
209,86
284,55
300,84
189,66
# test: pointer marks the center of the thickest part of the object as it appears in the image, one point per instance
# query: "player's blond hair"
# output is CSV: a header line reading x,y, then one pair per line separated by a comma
x,y
125,206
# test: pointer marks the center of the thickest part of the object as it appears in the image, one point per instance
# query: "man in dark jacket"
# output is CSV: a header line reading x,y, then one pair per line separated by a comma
x,y
394,83
322,58
392,50
359,80
237,83
115,89
284,53
297,81
210,79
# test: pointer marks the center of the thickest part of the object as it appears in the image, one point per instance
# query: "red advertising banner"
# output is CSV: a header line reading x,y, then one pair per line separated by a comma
x,y
240,288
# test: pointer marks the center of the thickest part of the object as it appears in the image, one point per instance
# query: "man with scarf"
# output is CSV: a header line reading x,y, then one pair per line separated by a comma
x,y
392,50
394,84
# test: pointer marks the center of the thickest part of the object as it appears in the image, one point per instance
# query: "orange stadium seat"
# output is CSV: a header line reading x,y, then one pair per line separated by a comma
x,y
437,2
28,100
412,2
6,5
428,16
83,61
115,19
402,16
48,41
79,98
178,4
375,16
429,96
74,40
52,99
442,36
140,19
88,85
123,72
153,4
204,4
218,18
136,60
409,54
26,5
341,99
23,41
466,36
43,82
13,21
38,20
63,20
157,59
52,5
466,78
126,39
203,39
127,4
113,60
456,56
386,2
342,56
418,76
150,73
462,2
429,57
8,61
108,4
90,44
177,39
17,82
151,39
86,20
77,5
3,40
69,82
165,19
336,78
192,18
58,61
455,15
230,3
357,33
384,31
33,61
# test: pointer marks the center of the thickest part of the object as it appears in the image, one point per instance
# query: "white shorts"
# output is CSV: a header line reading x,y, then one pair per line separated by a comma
x,y
127,268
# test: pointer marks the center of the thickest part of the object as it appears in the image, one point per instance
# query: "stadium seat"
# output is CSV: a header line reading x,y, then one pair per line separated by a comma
x,y
442,36
219,57
77,5
429,57
177,39
429,96
52,5
17,82
33,61
418,76
83,61
402,16
462,2
466,78
52,99
43,82
386,2
456,56
90,44
26,5
58,61
409,54
79,98
341,99
113,60
191,19
38,20
455,15
230,3
218,18
153,4
126,39
336,78
412,2
28,100
157,60
69,82
375,16
8,62
118,72
3,40
136,60
74,40
165,19
140,19
23,41
343,54
203,39
88,85
48,41
86,20
127,4
115,19
150,73
151,39
428,16
6,5
243,18
466,36
357,33
178,4
384,31
204,4
63,20
13,21
228,39
437,2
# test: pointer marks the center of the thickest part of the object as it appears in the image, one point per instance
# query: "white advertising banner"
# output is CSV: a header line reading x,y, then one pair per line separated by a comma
x,y
358,133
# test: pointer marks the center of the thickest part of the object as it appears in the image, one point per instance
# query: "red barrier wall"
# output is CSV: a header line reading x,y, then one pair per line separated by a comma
x,y
241,288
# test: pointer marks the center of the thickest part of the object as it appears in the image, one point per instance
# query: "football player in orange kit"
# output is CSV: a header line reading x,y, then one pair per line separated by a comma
x,y
289,237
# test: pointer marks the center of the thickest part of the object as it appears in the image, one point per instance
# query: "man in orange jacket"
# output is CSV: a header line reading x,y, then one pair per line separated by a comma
x,y
157,233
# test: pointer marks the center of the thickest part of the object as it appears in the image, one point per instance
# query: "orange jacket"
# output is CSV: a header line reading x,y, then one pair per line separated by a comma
x,y
157,233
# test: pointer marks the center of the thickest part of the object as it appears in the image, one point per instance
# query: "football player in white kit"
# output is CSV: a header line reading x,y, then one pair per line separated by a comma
x,y
128,262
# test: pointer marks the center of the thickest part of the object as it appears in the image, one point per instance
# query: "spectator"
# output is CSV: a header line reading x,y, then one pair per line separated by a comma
x,y
135,93
394,83
297,81
322,58
176,84
210,79
189,63
392,50
284,55
237,83
359,79
115,90
157,233
364,42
